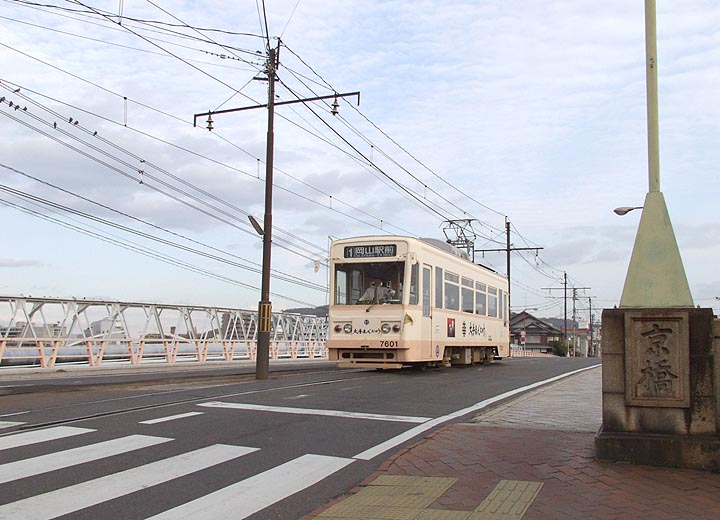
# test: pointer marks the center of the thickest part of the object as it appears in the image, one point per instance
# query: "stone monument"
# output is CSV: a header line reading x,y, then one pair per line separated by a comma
x,y
660,355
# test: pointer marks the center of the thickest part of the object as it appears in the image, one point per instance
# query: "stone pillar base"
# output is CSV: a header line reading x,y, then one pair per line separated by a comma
x,y
696,452
661,385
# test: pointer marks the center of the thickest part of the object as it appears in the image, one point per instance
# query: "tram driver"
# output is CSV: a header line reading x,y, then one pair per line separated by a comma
x,y
378,292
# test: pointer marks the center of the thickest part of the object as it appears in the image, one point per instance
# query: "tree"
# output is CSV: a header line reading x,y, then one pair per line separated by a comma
x,y
560,348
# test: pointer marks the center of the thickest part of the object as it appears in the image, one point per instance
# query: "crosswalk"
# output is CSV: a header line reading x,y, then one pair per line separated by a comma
x,y
238,500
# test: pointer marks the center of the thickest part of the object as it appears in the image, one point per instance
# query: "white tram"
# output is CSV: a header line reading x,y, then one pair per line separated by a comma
x,y
399,301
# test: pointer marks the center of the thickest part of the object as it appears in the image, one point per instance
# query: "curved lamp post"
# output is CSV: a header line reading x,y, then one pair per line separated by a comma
x,y
656,276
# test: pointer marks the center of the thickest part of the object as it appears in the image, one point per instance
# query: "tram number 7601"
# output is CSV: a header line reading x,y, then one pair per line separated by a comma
x,y
389,344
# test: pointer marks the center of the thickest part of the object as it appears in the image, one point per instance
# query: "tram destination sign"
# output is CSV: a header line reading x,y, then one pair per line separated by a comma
x,y
378,251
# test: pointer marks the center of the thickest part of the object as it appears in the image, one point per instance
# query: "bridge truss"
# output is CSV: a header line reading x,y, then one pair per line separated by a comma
x,y
46,331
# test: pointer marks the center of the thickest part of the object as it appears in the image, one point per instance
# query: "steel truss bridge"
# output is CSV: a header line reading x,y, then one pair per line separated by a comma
x,y
46,331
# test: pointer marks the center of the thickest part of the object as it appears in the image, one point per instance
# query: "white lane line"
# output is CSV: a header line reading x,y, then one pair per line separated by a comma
x,y
171,417
254,494
317,411
9,424
417,430
25,438
14,413
79,496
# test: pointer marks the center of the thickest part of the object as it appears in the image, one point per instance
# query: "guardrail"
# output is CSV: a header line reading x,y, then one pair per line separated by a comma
x,y
523,352
47,352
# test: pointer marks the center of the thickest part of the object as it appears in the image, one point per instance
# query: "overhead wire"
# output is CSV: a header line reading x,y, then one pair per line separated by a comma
x,y
102,14
128,47
387,136
399,185
62,208
398,144
144,251
205,157
368,141
274,272
146,175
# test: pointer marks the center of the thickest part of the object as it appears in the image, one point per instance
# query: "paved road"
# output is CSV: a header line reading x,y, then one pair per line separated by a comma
x,y
211,448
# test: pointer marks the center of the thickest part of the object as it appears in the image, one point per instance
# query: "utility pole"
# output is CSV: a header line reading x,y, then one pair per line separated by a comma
x,y
508,249
565,298
590,326
565,302
574,320
262,359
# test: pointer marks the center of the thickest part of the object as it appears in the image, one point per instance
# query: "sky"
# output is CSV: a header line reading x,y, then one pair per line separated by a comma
x,y
483,110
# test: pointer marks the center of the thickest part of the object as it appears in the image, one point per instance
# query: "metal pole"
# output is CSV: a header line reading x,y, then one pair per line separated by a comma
x,y
507,232
262,362
590,327
565,304
652,97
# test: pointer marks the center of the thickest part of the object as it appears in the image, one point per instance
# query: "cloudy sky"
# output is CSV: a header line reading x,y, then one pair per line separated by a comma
x,y
482,109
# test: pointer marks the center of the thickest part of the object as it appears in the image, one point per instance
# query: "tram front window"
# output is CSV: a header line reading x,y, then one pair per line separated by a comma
x,y
369,283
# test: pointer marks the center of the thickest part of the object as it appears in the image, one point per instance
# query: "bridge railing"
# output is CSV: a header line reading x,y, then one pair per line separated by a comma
x,y
47,352
46,331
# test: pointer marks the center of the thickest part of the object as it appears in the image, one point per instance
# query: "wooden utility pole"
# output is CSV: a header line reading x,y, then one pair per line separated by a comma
x,y
508,249
262,360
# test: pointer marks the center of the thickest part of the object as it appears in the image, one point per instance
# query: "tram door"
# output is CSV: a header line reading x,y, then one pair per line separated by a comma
x,y
426,326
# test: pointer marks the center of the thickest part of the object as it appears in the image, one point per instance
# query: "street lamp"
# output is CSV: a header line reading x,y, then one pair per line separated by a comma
x,y
624,210
656,276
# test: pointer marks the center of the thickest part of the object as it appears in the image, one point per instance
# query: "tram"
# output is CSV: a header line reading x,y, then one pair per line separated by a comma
x,y
400,301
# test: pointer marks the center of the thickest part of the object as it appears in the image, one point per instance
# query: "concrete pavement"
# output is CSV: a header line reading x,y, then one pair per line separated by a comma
x,y
532,458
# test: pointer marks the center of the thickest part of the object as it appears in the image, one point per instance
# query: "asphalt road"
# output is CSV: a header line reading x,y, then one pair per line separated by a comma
x,y
220,444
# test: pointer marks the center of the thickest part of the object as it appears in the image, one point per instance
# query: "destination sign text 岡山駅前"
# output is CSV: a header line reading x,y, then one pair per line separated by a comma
x,y
378,251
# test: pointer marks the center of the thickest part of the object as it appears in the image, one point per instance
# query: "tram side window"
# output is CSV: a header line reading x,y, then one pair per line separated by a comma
x,y
452,292
501,304
492,302
480,299
439,287
414,284
426,290
468,303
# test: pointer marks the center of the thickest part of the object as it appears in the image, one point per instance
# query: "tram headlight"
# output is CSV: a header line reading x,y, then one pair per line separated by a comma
x,y
385,328
347,328
338,327
396,327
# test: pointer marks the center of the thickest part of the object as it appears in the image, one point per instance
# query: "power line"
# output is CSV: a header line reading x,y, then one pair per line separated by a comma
x,y
278,274
398,144
142,176
143,251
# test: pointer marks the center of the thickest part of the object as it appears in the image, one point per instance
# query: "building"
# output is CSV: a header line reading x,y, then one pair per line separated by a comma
x,y
533,333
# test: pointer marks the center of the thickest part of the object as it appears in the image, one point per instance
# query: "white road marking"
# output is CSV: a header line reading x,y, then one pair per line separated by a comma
x,y
254,494
14,413
63,459
86,494
171,417
9,424
417,430
316,411
299,396
34,437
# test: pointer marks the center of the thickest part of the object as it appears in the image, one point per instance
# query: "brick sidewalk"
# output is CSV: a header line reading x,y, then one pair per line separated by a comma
x,y
547,457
